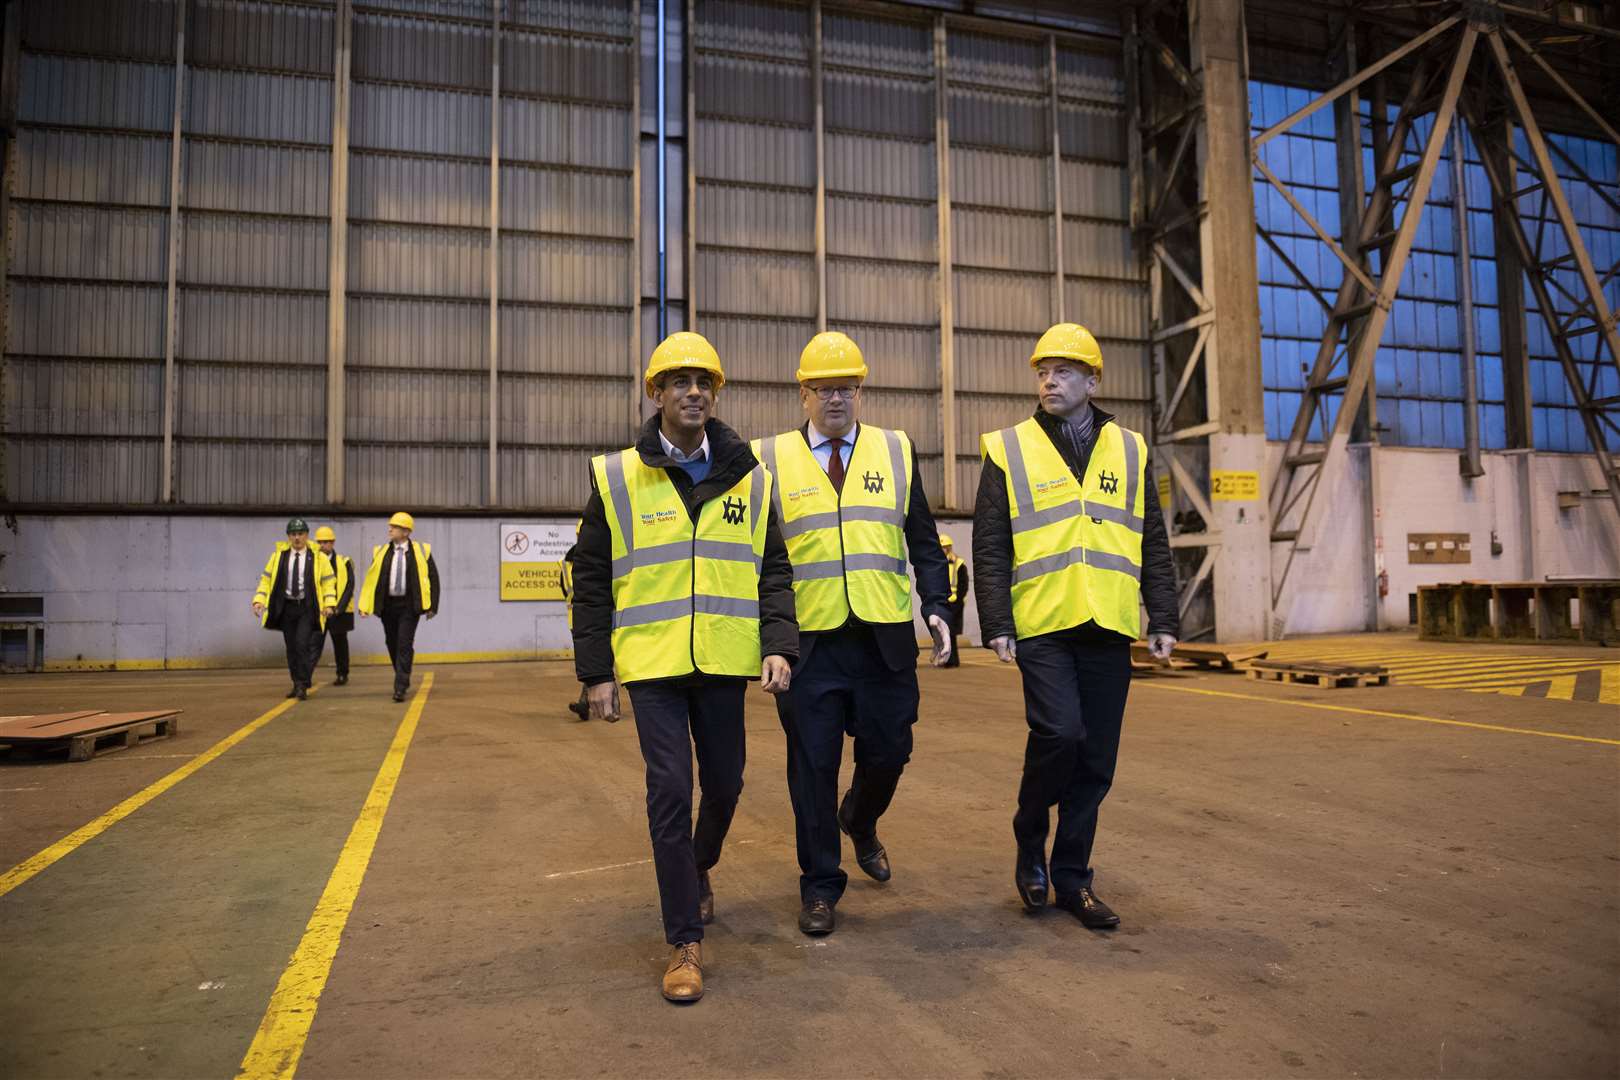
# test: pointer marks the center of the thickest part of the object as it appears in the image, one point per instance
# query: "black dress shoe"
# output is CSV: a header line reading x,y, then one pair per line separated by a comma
x,y
870,855
1092,912
302,693
580,709
705,899
399,695
341,680
293,692
816,918
1030,877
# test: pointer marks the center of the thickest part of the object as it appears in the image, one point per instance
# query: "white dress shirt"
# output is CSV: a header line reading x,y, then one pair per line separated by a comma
x,y
677,455
821,446
295,573
396,576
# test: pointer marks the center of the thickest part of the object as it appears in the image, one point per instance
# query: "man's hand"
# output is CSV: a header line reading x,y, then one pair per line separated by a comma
x,y
430,614
942,640
774,674
258,608
604,701
328,611
1006,648
1160,645
364,614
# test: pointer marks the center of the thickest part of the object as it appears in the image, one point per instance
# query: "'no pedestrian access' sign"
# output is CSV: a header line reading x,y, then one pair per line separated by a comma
x,y
531,560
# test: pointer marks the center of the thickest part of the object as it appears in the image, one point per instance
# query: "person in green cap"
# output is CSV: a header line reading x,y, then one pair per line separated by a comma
x,y
297,591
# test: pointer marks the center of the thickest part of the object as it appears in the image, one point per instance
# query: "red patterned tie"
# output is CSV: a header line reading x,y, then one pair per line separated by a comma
x,y
835,465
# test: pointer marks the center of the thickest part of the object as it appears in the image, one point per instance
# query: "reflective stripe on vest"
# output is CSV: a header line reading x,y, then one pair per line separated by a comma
x,y
848,550
951,563
1077,547
685,597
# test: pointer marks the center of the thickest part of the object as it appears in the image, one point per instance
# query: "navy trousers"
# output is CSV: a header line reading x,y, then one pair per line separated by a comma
x,y
672,718
301,631
843,687
1074,702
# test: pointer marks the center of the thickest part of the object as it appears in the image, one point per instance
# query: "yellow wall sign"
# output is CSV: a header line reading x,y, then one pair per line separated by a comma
x,y
1163,480
1233,484
531,560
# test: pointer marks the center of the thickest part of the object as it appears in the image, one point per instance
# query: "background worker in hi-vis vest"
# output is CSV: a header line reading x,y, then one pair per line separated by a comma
x,y
296,594
956,602
341,621
852,506
682,589
402,585
1068,541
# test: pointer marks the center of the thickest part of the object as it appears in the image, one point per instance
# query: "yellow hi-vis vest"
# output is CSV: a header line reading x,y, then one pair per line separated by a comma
x,y
685,596
344,567
326,590
1077,547
565,580
848,550
368,590
951,563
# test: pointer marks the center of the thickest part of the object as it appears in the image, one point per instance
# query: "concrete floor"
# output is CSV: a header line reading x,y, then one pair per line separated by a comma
x,y
1306,892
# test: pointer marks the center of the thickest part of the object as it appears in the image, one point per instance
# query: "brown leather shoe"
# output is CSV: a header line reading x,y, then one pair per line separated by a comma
x,y
705,898
683,979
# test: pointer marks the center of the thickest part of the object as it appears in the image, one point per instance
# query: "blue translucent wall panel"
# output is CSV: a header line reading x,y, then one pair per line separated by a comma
x,y
1418,364
1557,425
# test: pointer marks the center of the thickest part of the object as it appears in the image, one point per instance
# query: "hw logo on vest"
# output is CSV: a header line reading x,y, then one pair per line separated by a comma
x,y
874,482
1109,483
732,509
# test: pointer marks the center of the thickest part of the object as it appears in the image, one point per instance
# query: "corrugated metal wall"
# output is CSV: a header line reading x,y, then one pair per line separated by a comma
x,y
757,293
88,248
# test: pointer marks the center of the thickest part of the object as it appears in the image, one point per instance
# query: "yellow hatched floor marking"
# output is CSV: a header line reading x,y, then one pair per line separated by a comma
x,y
1292,703
1609,688
279,1042
85,833
1562,688
1533,675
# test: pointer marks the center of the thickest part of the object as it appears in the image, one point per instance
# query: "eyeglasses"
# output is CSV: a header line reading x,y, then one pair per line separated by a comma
x,y
827,393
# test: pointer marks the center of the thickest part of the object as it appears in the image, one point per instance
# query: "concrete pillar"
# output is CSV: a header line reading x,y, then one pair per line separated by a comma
x,y
1237,448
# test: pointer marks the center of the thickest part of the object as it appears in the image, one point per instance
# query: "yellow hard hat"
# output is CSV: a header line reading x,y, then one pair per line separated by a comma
x,y
945,540
325,533
403,520
684,349
831,355
1067,341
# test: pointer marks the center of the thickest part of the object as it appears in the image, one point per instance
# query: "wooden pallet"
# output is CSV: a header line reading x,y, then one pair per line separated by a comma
x,y
1325,676
85,734
1202,657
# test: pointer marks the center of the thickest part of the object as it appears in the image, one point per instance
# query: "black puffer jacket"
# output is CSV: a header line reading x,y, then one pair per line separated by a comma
x,y
593,556
992,542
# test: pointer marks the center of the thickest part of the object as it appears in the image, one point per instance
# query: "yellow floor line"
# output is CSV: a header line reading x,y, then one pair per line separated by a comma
x,y
78,837
1609,688
279,1042
1509,691
1494,665
1284,702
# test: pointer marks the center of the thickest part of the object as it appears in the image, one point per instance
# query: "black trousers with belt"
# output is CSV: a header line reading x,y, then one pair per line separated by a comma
x,y
340,649
1075,684
843,686
301,631
673,718
399,619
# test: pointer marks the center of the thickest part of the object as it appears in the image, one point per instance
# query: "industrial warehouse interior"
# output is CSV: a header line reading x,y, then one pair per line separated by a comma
x,y
810,538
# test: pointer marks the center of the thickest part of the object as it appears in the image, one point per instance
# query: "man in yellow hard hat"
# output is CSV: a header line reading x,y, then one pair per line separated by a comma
x,y
402,585
852,508
683,592
956,602
341,621
296,594
1068,542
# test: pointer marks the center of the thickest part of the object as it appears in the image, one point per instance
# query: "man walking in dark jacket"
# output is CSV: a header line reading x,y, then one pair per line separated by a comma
x,y
683,592
852,508
341,621
402,587
1068,541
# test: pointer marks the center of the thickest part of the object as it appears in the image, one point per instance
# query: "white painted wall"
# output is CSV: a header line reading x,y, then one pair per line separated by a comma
x,y
1422,492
